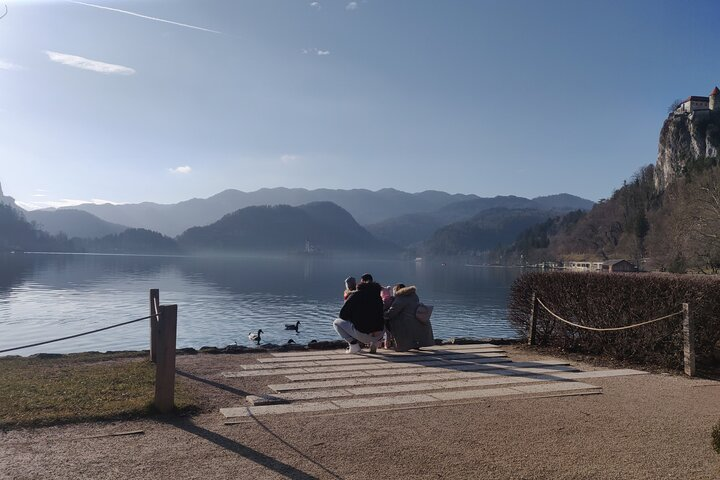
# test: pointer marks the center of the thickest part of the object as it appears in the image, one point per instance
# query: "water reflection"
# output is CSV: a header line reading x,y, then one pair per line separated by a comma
x,y
222,299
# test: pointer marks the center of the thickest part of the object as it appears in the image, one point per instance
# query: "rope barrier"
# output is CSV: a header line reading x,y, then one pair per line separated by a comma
x,y
79,334
610,329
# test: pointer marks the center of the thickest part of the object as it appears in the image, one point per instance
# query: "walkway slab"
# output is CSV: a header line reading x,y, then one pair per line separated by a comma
x,y
386,367
372,360
418,377
447,385
426,369
366,402
381,356
383,401
276,409
436,348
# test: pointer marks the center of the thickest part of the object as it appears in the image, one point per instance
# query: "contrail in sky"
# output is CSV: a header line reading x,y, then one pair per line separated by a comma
x,y
146,17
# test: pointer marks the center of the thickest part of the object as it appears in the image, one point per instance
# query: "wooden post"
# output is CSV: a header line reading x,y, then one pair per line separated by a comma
x,y
165,366
689,341
533,320
154,320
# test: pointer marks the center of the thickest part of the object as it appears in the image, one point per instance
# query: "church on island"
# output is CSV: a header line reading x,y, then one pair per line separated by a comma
x,y
694,104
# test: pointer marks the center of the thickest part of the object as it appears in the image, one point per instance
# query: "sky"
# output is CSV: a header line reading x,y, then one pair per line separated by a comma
x,y
158,100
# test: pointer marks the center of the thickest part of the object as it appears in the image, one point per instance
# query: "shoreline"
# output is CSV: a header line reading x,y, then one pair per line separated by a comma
x,y
268,347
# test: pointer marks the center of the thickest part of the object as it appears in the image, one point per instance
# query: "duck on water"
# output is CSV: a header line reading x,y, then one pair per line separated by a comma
x,y
255,337
293,326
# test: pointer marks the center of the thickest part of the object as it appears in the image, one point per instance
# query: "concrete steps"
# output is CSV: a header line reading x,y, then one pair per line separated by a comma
x,y
333,380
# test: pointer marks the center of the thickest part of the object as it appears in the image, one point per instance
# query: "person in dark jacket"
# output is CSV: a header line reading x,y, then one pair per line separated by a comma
x,y
406,329
361,317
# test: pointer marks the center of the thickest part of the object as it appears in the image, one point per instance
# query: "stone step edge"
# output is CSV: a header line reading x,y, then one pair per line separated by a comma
x,y
452,348
389,368
408,378
234,412
454,384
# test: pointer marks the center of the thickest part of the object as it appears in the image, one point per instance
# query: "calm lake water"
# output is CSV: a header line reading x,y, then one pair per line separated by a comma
x,y
221,300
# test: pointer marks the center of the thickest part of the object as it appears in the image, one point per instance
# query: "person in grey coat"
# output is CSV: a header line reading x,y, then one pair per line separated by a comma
x,y
407,330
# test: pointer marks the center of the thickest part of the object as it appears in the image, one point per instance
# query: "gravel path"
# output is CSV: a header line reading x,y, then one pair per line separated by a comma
x,y
641,427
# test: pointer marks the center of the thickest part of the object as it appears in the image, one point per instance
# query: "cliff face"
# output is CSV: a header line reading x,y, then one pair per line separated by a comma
x,y
684,138
7,200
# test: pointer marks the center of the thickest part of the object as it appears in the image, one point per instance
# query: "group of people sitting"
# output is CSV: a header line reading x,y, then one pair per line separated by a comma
x,y
375,316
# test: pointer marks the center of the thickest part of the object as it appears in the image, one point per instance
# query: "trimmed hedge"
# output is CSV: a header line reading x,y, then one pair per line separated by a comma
x,y
612,300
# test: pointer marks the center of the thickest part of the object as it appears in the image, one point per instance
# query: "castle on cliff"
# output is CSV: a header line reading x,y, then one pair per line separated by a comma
x,y
694,104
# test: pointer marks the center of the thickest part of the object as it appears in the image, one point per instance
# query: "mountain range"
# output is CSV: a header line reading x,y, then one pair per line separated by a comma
x,y
435,218
366,206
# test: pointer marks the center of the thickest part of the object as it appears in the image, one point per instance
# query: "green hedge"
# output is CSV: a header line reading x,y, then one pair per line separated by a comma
x,y
612,300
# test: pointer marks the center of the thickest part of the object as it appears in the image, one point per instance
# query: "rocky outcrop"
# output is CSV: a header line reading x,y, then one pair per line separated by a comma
x,y
7,200
684,138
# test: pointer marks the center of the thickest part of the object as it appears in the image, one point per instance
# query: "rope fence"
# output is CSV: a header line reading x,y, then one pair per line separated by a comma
x,y
79,334
608,329
687,327
163,343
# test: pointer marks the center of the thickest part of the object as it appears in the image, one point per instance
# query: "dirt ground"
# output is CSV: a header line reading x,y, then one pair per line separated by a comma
x,y
641,427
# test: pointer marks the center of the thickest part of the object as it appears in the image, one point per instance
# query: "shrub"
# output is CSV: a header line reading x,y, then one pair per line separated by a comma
x,y
605,300
716,437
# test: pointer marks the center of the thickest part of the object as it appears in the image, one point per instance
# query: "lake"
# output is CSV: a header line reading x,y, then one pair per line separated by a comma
x,y
221,300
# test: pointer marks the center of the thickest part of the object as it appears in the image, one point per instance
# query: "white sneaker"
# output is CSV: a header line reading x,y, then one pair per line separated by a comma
x,y
353,348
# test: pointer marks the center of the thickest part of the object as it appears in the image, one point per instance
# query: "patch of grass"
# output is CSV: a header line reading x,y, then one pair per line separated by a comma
x,y
76,388
716,437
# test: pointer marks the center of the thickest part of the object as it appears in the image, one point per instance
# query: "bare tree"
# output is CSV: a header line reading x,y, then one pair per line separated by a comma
x,y
674,105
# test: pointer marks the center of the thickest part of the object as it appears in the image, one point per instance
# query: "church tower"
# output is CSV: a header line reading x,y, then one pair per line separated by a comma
x,y
714,100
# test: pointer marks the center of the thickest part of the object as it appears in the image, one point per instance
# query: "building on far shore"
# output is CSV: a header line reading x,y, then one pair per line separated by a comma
x,y
583,266
618,266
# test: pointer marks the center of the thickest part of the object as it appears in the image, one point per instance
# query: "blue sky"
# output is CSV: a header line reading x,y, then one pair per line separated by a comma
x,y
487,97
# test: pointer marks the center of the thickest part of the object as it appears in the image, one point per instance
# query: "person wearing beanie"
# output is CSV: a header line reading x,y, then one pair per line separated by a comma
x,y
350,287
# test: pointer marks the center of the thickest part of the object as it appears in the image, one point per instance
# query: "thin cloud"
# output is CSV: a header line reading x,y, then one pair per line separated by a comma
x,y
316,5
100,201
156,19
64,202
287,159
314,51
184,169
9,66
87,64
351,6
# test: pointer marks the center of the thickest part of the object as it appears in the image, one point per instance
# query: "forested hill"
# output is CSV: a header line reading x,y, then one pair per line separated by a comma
x,y
483,232
17,234
131,240
413,229
73,223
283,228
667,217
